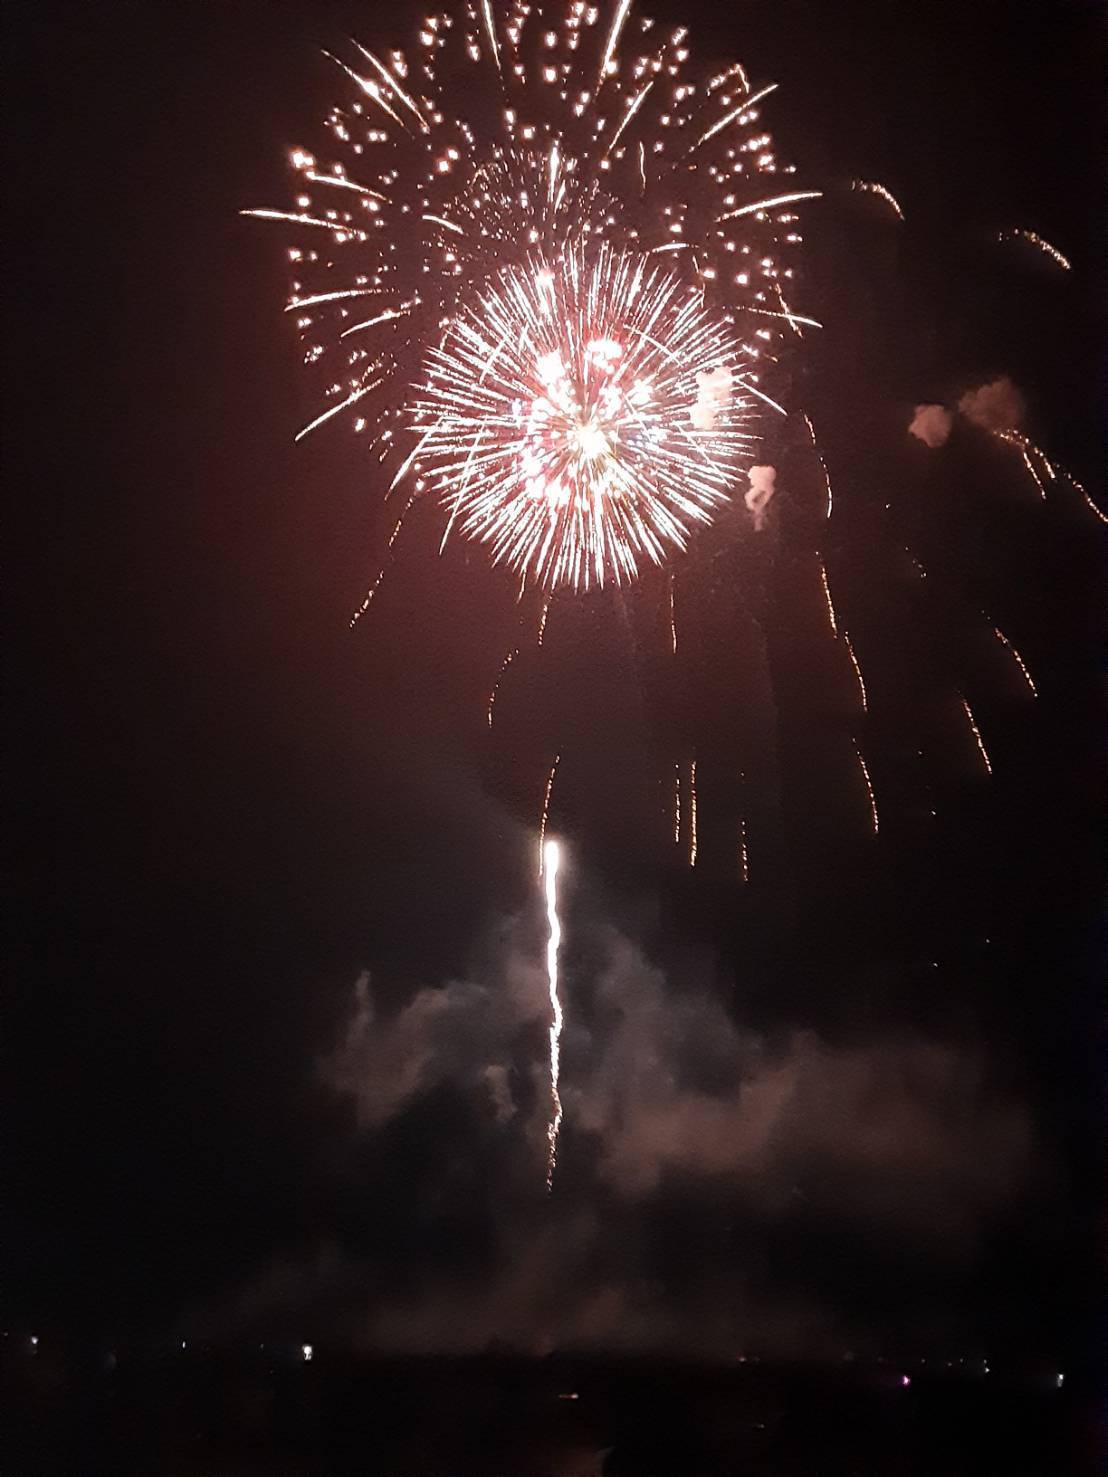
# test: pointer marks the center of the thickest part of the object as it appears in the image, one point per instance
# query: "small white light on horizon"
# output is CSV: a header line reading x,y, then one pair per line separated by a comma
x,y
306,1352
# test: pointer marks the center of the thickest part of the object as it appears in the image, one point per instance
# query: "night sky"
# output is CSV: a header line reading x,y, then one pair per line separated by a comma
x,y
275,1040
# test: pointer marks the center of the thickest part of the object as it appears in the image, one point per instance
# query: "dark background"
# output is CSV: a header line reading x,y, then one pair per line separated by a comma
x,y
221,804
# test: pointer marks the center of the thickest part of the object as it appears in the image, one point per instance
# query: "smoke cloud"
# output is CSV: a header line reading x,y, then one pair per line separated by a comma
x,y
760,493
931,424
994,406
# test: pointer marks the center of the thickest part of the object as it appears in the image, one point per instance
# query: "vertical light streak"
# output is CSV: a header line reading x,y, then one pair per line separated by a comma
x,y
613,39
546,807
504,665
553,942
672,619
486,12
819,457
542,620
827,599
744,854
857,672
677,805
376,585
692,813
1019,661
972,721
869,789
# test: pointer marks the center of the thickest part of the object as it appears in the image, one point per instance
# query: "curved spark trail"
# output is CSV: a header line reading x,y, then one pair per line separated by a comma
x,y
874,187
1018,234
862,765
1019,661
551,857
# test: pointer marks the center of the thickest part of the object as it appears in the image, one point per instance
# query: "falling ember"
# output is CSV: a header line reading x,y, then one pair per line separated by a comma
x,y
376,585
505,664
542,620
692,813
1019,661
677,805
546,807
822,464
827,599
869,789
744,855
857,672
872,187
972,721
672,619
1017,234
550,854
1025,449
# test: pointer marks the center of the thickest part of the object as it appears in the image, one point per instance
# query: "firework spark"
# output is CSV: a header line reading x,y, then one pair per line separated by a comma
x,y
692,814
822,463
857,672
551,857
827,599
1018,234
1019,661
547,792
872,187
744,854
864,767
495,689
980,742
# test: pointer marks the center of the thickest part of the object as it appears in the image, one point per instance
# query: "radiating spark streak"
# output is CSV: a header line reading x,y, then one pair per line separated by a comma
x,y
672,618
542,620
754,390
334,410
370,88
857,672
642,164
869,789
553,943
827,599
744,854
633,107
441,220
340,182
692,814
972,721
613,39
331,297
490,28
1018,234
872,187
546,806
391,82
738,112
1019,661
790,317
772,200
677,805
401,312
495,689
299,217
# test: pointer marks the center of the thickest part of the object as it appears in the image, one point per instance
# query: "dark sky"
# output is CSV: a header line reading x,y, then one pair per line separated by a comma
x,y
853,1103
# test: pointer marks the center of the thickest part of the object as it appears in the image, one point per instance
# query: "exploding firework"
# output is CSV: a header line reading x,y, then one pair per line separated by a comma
x,y
546,268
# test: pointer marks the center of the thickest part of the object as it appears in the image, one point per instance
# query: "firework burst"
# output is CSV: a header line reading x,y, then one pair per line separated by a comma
x,y
544,267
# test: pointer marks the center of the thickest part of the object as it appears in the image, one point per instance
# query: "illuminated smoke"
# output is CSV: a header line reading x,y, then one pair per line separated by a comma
x,y
760,494
713,397
931,424
553,942
994,406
